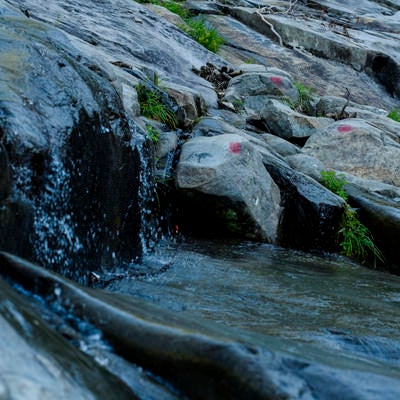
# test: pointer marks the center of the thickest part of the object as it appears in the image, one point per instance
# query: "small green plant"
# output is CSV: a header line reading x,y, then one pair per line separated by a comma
x,y
305,98
356,239
334,183
153,133
204,34
196,28
394,115
249,60
170,5
177,8
151,106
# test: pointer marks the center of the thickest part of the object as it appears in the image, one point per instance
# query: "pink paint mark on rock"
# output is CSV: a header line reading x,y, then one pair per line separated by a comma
x,y
276,80
234,147
344,128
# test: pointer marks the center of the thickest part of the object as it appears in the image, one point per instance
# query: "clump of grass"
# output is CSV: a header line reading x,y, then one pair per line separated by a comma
x,y
394,115
152,106
153,133
356,239
177,8
196,28
305,98
203,33
335,183
170,5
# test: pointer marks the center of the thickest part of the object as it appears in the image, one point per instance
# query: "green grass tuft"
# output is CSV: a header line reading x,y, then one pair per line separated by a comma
x,y
305,98
197,28
394,115
206,35
334,183
151,106
355,238
153,133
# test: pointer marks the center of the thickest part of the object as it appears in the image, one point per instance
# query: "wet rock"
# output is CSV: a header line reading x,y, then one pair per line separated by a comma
x,y
167,142
228,168
38,364
68,141
17,225
357,147
5,180
208,362
164,153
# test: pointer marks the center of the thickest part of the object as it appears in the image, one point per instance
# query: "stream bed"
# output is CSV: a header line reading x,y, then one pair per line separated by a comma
x,y
325,309
204,320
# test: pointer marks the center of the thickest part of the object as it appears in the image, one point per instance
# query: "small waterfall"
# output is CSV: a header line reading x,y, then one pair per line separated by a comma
x,y
88,195
54,236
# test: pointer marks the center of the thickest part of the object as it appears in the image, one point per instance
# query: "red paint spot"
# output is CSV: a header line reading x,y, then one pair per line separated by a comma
x,y
344,128
276,80
234,147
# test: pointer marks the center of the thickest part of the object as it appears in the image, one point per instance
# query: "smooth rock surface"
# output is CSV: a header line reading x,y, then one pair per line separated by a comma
x,y
311,215
357,147
286,123
228,167
38,364
260,85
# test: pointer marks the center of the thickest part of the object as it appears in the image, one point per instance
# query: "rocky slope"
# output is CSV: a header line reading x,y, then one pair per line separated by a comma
x,y
76,184
347,54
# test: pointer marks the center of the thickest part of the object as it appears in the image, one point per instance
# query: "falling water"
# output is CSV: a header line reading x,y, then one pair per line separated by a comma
x,y
54,235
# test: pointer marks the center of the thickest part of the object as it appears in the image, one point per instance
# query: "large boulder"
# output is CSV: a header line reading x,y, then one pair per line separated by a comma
x,y
357,147
283,121
260,86
311,215
228,172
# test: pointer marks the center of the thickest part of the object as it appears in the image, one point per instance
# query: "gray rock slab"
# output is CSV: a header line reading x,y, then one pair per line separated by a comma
x,y
357,147
37,364
228,166
324,75
283,121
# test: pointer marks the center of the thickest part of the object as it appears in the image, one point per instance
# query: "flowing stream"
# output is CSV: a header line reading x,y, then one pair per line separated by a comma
x,y
324,309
